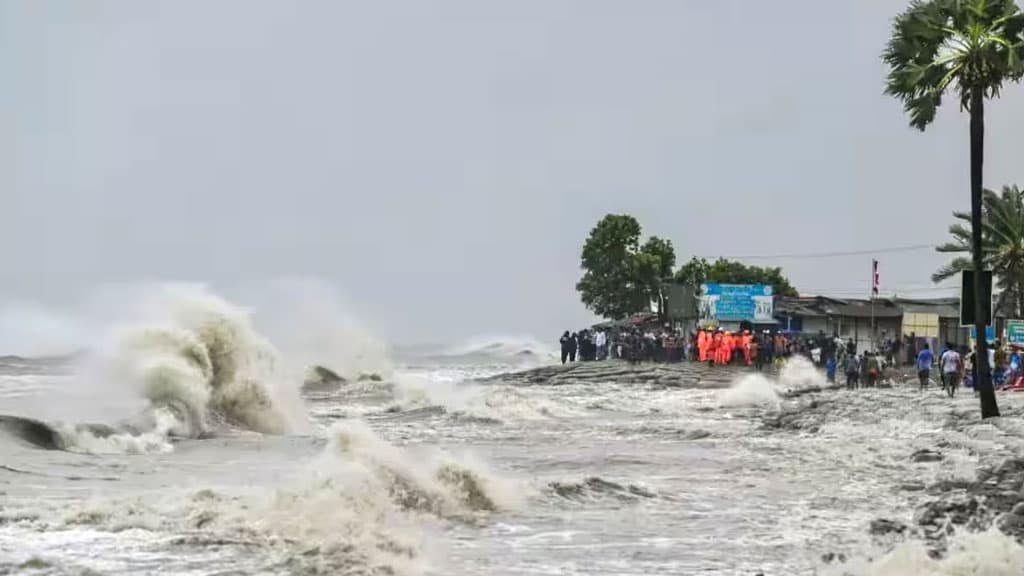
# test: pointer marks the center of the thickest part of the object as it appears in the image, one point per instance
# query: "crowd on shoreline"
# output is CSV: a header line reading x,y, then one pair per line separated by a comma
x,y
715,346
766,348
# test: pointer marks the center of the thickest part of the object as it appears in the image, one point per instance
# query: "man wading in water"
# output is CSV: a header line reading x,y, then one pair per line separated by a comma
x,y
925,358
852,371
952,367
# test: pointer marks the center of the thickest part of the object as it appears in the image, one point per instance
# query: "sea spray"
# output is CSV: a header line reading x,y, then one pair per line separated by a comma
x,y
751,390
799,373
757,389
312,324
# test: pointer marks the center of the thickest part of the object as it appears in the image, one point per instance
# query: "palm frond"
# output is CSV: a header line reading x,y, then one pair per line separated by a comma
x,y
952,248
974,46
955,267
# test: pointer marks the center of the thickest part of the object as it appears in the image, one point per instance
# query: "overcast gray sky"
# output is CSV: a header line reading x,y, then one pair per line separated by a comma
x,y
441,162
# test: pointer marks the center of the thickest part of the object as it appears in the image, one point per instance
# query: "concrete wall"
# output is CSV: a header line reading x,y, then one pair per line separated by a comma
x,y
860,330
815,325
888,328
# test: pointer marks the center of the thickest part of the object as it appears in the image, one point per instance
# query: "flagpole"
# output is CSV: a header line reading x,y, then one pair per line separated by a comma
x,y
874,292
874,329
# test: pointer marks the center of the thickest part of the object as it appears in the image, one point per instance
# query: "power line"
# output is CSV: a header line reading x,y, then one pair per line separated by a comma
x,y
937,292
899,287
797,256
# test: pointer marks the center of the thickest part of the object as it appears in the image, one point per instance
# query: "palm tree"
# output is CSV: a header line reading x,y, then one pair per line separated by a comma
x,y
972,47
1002,244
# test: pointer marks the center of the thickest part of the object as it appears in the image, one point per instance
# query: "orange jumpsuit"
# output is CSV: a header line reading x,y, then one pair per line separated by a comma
x,y
702,345
725,350
746,347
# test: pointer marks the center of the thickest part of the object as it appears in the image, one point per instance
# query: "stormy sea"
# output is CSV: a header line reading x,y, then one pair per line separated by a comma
x,y
186,440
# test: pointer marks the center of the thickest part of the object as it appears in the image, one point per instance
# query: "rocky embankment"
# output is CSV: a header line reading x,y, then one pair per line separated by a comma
x,y
681,375
993,499
996,499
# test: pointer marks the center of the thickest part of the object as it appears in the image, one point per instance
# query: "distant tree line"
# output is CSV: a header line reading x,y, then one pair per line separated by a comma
x,y
622,276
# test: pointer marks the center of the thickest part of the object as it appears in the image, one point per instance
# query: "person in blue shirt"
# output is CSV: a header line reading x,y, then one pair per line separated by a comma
x,y
830,368
925,358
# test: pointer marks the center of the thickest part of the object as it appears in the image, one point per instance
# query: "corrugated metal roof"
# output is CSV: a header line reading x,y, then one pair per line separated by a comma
x,y
823,306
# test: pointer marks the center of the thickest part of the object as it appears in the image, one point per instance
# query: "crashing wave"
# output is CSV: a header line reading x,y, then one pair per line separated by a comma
x,y
502,349
441,487
203,363
595,488
186,364
356,508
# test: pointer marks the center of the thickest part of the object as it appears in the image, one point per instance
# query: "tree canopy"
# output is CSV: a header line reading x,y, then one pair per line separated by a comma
x,y
1002,246
621,277
972,46
698,271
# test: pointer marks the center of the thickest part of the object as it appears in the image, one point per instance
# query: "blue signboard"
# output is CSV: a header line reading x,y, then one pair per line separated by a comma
x,y
990,333
736,302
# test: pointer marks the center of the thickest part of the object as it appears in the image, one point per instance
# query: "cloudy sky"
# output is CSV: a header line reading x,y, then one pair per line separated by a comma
x,y
441,162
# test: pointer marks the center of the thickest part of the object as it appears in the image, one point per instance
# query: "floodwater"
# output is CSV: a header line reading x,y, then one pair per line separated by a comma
x,y
424,471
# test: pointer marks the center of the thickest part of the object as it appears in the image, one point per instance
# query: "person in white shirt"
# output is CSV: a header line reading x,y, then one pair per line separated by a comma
x,y
601,341
952,367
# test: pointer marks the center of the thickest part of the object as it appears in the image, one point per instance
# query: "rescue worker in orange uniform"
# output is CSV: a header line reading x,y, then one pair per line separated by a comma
x,y
747,339
725,350
716,346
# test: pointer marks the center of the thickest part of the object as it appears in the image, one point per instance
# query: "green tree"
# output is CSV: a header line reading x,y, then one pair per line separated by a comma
x,y
698,271
972,47
655,262
1002,243
621,278
693,273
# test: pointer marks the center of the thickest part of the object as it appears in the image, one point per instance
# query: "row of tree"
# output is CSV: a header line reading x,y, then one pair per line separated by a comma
x,y
972,48
622,277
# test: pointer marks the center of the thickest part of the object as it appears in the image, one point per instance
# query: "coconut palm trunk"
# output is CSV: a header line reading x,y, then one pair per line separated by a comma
x,y
986,392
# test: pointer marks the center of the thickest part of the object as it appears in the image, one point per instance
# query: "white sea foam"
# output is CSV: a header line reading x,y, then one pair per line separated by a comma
x,y
154,439
490,401
984,554
362,505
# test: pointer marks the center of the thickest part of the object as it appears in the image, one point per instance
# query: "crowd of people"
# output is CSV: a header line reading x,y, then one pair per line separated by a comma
x,y
716,346
757,349
956,364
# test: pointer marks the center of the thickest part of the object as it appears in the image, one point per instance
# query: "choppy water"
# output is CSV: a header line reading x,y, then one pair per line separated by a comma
x,y
427,473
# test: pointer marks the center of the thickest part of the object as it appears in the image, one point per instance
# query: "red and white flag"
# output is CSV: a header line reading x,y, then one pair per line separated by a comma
x,y
874,278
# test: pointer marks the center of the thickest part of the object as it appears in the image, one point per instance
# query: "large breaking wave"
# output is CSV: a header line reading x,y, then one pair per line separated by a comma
x,y
175,360
206,364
